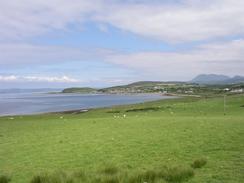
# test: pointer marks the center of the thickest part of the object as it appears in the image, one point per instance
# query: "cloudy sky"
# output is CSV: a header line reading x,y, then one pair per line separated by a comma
x,y
61,43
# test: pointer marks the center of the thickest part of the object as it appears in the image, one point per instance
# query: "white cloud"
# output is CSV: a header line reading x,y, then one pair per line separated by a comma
x,y
63,79
189,20
8,78
51,79
220,58
25,18
19,54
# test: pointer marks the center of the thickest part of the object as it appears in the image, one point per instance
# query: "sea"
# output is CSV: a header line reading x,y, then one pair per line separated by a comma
x,y
23,103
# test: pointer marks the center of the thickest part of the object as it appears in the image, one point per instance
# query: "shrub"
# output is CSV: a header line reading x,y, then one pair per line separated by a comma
x,y
199,163
4,179
113,111
143,109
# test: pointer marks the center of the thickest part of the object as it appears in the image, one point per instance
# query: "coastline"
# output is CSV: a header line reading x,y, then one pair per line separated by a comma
x,y
86,109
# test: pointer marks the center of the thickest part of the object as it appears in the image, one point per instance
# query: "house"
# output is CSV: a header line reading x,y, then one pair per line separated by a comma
x,y
240,90
189,92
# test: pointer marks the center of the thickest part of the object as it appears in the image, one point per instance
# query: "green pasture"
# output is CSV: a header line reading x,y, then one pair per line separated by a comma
x,y
162,135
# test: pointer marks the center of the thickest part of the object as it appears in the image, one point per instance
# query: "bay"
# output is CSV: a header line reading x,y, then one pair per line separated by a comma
x,y
35,103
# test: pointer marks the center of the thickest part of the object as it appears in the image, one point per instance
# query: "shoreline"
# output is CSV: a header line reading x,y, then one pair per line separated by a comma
x,y
84,110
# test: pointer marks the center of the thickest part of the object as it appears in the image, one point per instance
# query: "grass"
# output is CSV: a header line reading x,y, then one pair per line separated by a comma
x,y
137,143
178,174
57,177
175,174
199,163
4,179
110,170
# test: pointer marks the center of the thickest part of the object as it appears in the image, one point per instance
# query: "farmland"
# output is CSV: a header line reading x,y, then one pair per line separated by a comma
x,y
162,136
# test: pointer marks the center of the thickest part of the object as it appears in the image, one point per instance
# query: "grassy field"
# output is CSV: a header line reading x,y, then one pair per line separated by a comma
x,y
160,141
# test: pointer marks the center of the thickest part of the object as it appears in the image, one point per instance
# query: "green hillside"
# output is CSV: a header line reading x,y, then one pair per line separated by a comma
x,y
176,140
79,90
167,88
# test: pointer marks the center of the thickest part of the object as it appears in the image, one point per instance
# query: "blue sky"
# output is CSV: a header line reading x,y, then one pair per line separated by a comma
x,y
103,42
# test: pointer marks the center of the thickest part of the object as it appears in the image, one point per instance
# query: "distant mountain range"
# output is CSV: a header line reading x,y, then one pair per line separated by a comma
x,y
142,86
217,79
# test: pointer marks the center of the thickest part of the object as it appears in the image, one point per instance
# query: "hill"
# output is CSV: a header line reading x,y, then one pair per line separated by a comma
x,y
79,90
143,87
201,85
137,87
217,79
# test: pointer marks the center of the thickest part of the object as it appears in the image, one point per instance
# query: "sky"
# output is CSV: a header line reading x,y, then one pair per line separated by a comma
x,y
99,43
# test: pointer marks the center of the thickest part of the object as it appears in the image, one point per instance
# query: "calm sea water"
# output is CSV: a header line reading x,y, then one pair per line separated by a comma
x,y
33,103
